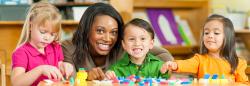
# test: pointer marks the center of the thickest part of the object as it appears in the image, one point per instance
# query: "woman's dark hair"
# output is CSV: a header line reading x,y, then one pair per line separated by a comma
x,y
228,50
82,34
142,24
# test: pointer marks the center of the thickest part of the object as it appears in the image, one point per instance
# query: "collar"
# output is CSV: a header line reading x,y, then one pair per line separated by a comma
x,y
149,57
34,52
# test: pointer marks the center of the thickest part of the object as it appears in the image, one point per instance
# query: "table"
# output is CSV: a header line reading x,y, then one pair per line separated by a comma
x,y
90,83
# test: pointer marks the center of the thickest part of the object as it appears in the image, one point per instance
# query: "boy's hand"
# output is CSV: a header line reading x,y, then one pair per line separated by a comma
x,y
95,74
110,75
66,69
170,65
51,72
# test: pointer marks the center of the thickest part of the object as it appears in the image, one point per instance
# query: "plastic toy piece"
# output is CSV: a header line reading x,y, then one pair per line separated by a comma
x,y
81,77
215,76
115,80
223,76
71,81
48,82
206,76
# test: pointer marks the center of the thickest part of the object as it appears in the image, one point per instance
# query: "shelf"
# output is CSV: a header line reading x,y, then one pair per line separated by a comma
x,y
64,22
248,70
180,50
169,3
74,4
69,22
244,31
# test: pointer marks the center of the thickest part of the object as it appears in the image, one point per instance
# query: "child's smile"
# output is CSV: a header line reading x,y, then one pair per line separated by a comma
x,y
137,50
137,41
213,35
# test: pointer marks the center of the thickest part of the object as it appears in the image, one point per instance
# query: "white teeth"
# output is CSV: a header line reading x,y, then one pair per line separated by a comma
x,y
137,50
104,46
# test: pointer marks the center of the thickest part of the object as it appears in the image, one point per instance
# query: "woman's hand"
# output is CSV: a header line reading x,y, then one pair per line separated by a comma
x,y
169,65
51,72
66,69
96,74
110,75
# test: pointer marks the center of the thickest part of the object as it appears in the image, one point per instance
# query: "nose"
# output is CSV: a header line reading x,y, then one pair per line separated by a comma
x,y
46,37
107,37
210,35
137,42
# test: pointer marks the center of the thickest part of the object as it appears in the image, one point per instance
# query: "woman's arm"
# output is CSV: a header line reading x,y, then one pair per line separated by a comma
x,y
68,50
162,53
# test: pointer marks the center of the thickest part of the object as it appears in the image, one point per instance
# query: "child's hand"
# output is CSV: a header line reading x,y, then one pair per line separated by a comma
x,y
51,72
110,74
66,69
170,65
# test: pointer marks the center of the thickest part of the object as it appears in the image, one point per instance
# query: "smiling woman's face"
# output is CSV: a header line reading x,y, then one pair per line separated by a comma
x,y
103,34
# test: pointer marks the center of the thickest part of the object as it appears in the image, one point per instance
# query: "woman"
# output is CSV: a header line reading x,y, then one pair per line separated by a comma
x,y
97,42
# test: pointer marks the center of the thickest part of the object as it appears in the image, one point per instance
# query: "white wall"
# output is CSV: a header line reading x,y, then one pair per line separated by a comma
x,y
234,5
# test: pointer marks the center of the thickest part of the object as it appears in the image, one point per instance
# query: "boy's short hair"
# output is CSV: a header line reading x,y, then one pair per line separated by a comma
x,y
142,24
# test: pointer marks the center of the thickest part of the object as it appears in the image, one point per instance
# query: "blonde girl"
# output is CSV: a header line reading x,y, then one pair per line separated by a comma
x,y
217,53
38,54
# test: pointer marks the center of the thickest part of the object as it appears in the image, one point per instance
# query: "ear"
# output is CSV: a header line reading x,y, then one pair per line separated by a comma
x,y
31,25
123,45
151,45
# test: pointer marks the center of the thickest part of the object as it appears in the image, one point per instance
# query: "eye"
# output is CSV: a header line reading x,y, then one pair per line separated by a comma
x,y
206,33
42,32
143,38
99,30
114,33
216,33
53,34
131,39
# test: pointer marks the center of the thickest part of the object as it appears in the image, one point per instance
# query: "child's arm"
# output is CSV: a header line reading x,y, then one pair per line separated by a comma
x,y
240,75
21,78
189,65
66,68
110,74
170,65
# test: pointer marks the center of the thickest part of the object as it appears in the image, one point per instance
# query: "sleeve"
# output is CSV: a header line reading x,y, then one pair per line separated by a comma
x,y
111,67
240,75
19,59
68,50
161,53
166,75
190,65
59,52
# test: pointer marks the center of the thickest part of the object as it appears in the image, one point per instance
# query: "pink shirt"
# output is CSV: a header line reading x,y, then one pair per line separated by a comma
x,y
28,57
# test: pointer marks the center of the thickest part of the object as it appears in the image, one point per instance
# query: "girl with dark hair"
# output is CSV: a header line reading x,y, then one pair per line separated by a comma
x,y
97,42
217,53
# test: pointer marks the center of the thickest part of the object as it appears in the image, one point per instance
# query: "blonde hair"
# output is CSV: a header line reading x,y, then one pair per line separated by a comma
x,y
40,13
